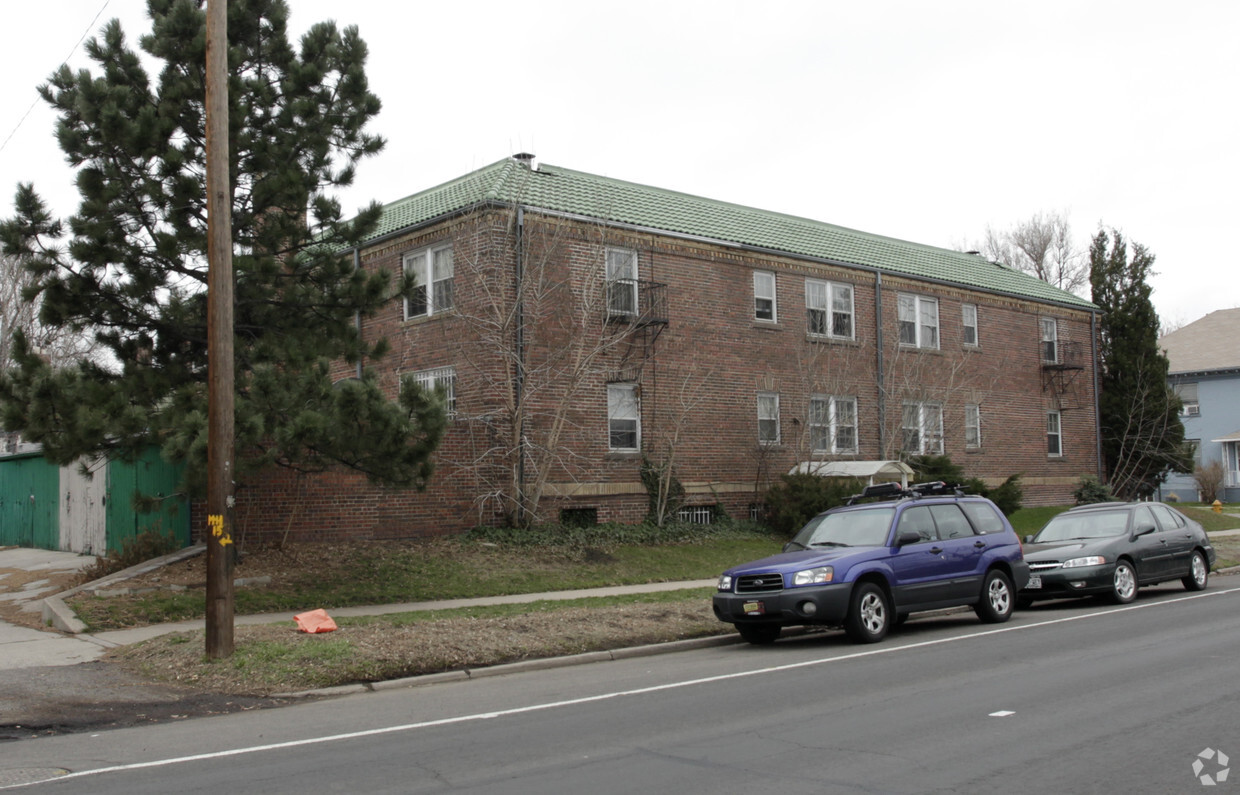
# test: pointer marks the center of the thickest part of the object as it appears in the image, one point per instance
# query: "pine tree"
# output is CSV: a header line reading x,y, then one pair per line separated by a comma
x,y
130,265
1142,436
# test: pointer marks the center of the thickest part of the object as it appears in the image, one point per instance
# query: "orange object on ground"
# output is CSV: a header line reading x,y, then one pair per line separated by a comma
x,y
315,621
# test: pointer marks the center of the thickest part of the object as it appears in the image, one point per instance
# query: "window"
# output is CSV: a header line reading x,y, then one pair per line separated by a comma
x,y
1050,340
1054,436
1195,446
985,518
768,418
917,520
621,282
1187,393
697,514
950,521
968,321
972,425
833,424
623,417
919,320
763,295
829,309
442,379
922,428
432,269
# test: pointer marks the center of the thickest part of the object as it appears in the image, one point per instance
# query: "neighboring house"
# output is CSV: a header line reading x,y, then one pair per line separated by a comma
x,y
584,330
1205,373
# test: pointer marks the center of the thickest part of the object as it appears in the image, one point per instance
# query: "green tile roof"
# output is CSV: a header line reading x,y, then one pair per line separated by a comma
x,y
615,201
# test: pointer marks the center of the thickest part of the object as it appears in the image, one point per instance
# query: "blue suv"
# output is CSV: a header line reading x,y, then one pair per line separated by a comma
x,y
866,565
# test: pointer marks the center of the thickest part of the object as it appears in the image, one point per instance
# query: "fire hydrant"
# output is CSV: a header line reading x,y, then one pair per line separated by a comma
x,y
1218,507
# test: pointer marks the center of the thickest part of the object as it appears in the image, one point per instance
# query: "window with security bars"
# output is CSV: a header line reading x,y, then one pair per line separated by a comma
x,y
696,514
441,379
829,309
433,270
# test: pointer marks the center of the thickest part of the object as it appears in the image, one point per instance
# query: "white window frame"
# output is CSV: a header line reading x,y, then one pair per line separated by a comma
x,y
828,305
768,413
439,377
1050,339
922,422
764,297
1187,393
917,318
433,270
830,418
972,426
1054,434
968,323
621,274
624,416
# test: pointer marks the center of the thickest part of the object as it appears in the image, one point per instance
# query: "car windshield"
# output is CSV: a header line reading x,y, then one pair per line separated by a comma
x,y
1095,524
865,528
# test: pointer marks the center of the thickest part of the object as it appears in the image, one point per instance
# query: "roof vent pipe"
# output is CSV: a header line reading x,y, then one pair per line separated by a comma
x,y
527,159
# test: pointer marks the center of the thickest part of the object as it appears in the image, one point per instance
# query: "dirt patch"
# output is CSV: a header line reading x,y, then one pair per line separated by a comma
x,y
272,659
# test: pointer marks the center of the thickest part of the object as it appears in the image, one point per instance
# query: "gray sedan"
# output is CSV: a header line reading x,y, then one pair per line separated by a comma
x,y
1114,548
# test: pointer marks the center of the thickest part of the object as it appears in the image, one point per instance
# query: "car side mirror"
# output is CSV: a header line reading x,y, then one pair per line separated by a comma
x,y
907,537
1028,539
1143,530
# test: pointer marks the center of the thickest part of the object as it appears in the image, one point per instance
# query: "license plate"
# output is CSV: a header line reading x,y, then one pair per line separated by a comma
x,y
1035,582
754,608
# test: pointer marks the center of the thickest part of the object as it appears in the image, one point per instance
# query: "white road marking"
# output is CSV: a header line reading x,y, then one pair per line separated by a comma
x,y
1003,713
333,738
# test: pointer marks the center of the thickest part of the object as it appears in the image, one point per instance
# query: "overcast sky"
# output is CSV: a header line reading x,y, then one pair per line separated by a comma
x,y
922,121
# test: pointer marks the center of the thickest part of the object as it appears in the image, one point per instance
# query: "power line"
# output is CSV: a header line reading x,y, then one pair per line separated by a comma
x,y
85,33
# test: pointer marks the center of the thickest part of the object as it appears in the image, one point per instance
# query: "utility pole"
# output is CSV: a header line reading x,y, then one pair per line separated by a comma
x,y
219,342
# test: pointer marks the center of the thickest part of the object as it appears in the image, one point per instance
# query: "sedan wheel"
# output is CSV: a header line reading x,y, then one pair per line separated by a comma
x,y
1124,584
1199,573
868,615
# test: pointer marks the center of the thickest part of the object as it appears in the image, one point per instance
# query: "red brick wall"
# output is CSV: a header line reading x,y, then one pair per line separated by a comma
x,y
698,386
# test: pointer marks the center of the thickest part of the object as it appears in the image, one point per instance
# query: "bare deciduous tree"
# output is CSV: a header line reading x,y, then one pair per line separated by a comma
x,y
1041,246
60,345
537,339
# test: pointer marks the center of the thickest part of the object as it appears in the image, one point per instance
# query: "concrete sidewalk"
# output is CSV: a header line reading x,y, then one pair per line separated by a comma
x,y
23,647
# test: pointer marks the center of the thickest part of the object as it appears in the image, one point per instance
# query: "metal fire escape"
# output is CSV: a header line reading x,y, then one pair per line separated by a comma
x,y
642,305
1061,369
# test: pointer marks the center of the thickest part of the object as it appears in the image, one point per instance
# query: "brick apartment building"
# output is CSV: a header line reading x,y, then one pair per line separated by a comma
x,y
578,325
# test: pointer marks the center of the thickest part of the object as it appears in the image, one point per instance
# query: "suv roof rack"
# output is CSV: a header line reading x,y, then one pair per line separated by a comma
x,y
894,491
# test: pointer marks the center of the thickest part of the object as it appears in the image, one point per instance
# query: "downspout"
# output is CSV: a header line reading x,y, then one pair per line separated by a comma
x,y
519,386
878,377
357,316
1093,350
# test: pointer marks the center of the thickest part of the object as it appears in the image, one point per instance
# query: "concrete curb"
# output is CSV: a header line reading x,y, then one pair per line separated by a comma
x,y
522,666
59,615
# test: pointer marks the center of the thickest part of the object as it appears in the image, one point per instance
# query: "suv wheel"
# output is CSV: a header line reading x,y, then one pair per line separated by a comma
x,y
759,634
869,615
996,603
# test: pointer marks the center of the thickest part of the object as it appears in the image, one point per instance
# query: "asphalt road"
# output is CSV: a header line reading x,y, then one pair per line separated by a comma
x,y
1067,697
